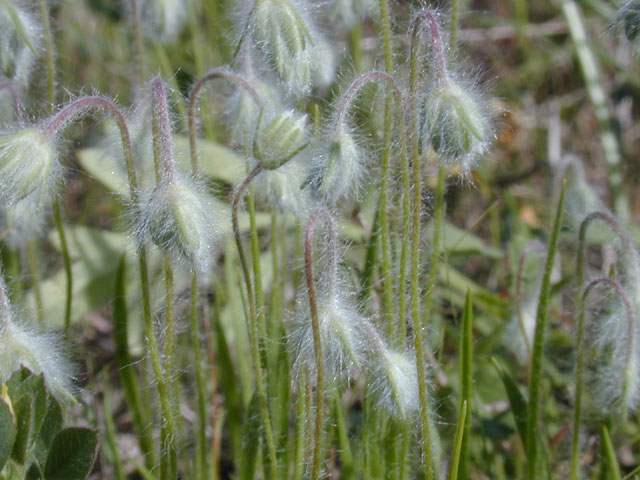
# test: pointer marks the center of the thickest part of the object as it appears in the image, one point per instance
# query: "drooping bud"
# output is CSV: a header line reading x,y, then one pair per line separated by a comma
x,y
395,383
20,39
350,12
23,345
180,218
454,124
28,165
283,37
245,111
337,172
280,139
281,189
341,337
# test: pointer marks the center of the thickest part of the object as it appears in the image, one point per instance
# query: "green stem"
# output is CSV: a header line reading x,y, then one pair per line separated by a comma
x,y
201,387
455,25
66,259
32,264
457,451
139,45
316,465
533,411
385,235
49,47
253,324
598,98
466,385
579,307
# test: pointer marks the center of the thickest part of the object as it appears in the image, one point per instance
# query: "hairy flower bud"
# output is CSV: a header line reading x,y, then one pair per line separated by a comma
x,y
28,165
629,17
281,139
23,345
180,218
337,173
283,37
19,42
454,124
395,383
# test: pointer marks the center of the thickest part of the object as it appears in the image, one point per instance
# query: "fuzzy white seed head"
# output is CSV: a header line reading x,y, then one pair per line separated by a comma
x,y
28,165
23,345
454,123
337,173
179,217
163,20
20,42
395,383
284,39
341,338
350,12
280,139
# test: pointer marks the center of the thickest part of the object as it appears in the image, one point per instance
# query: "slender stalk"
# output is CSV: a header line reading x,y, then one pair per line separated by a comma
x,y
455,25
139,45
533,411
457,451
580,308
66,260
32,264
424,16
49,53
110,428
165,169
342,110
316,465
598,98
201,435
51,97
253,323
383,205
466,385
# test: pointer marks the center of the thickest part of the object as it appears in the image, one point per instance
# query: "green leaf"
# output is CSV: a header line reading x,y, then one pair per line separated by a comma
x,y
610,468
516,399
23,410
456,241
8,430
72,454
50,427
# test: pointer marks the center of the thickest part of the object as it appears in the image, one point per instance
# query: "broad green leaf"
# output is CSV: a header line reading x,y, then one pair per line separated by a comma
x,y
50,427
215,161
456,241
72,454
8,431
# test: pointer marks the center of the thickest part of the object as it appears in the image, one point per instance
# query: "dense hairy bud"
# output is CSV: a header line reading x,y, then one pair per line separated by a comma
x,y
28,165
629,18
350,12
163,20
281,189
336,174
394,383
341,336
280,139
180,218
20,39
454,124
245,111
23,345
284,39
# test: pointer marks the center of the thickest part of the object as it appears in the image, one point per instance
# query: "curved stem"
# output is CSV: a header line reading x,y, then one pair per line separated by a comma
x,y
253,321
579,306
426,16
164,161
193,100
315,325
